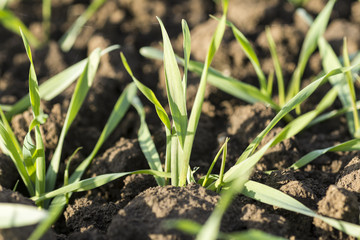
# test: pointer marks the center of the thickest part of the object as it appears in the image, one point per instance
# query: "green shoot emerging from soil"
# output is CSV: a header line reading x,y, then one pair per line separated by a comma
x,y
252,94
30,159
235,180
180,135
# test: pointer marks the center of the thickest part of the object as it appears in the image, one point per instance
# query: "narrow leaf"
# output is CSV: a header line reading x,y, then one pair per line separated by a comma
x,y
210,229
174,88
58,203
271,196
213,163
245,162
146,143
33,83
55,85
234,87
290,105
187,51
149,94
352,145
351,87
277,66
13,23
121,107
92,183
10,133
199,98
309,45
18,215
56,209
68,39
16,157
29,150
329,62
250,53
82,87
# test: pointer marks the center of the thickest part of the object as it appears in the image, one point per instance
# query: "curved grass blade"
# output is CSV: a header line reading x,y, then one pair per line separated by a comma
x,y
68,39
331,61
56,209
55,85
234,87
309,45
12,23
250,53
149,94
58,203
19,215
351,87
174,88
210,229
12,150
146,143
193,228
206,178
120,108
33,83
291,104
82,87
245,163
277,66
351,145
5,107
10,133
196,110
37,161
271,196
92,183
187,51
29,150
332,114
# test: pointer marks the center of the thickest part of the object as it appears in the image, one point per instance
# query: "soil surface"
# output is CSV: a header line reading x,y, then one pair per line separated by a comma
x,y
134,207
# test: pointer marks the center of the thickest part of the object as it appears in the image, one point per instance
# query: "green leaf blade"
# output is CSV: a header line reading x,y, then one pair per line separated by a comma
x,y
309,45
199,98
82,87
146,143
13,23
33,83
92,183
174,87
271,196
149,94
18,215
250,53
16,157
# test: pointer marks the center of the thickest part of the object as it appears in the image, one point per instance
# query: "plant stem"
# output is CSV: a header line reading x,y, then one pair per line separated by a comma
x,y
174,160
40,165
168,154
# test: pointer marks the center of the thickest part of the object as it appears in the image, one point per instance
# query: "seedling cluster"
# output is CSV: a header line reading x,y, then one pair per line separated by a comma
x,y
180,129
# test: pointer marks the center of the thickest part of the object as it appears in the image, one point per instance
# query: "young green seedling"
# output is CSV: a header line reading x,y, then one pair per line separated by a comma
x,y
30,160
252,94
180,135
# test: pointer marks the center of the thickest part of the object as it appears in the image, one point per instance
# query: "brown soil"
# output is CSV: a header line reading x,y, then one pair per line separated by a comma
x,y
133,207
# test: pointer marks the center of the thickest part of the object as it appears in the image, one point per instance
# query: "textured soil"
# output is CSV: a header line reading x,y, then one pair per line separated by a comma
x,y
134,207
